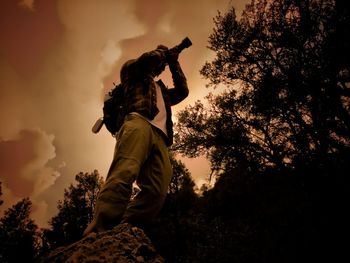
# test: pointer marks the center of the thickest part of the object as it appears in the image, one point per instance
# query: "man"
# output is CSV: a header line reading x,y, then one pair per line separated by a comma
x,y
141,152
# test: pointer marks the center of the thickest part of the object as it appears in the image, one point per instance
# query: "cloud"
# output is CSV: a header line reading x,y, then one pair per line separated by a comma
x,y
28,34
24,169
27,4
21,157
53,60
40,213
57,59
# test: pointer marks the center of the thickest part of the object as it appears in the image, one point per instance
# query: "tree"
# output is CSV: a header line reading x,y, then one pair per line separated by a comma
x,y
285,69
181,189
285,110
75,211
171,232
18,234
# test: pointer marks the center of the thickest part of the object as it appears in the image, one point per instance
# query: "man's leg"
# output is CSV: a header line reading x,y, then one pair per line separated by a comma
x,y
154,180
132,148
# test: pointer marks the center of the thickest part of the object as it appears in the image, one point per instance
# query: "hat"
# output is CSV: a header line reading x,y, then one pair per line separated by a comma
x,y
127,70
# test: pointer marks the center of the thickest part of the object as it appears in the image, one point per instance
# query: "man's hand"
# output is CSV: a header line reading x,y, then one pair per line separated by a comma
x,y
162,47
172,56
162,52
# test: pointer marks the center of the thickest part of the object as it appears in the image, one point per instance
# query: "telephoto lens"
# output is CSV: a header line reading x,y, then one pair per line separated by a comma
x,y
185,43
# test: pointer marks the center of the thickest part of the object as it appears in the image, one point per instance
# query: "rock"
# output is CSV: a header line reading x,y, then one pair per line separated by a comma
x,y
124,243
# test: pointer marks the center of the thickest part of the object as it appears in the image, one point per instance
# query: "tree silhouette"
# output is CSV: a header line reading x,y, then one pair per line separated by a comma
x,y
285,69
171,231
181,189
75,211
18,234
277,135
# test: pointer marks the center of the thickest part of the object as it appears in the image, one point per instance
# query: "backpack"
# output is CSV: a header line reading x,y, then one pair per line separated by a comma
x,y
113,111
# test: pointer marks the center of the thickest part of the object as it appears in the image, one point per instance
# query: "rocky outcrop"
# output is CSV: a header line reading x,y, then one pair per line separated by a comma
x,y
125,243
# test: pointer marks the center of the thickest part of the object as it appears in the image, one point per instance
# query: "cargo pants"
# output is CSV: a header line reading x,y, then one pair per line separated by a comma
x,y
140,155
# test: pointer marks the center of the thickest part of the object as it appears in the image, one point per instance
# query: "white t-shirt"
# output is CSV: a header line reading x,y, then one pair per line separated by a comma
x,y
159,120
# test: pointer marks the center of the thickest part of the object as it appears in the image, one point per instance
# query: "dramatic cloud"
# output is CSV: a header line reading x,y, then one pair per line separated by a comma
x,y
24,169
57,59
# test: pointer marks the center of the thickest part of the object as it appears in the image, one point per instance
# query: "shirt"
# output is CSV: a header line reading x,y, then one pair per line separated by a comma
x,y
140,89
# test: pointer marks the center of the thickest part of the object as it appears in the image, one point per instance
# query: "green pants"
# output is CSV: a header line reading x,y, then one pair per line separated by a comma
x,y
140,155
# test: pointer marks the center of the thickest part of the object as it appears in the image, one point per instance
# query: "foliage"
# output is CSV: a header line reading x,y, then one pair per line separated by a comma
x,y
277,136
170,232
285,67
18,234
181,189
75,211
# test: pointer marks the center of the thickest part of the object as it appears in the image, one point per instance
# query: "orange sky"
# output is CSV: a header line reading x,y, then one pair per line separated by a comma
x,y
57,59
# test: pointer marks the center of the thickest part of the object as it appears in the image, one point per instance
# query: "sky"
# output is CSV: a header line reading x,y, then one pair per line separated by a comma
x,y
57,60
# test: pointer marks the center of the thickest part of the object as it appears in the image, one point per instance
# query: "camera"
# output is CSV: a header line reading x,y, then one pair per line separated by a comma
x,y
185,43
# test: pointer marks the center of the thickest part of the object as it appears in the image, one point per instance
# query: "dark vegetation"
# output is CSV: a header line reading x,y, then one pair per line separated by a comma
x,y
277,138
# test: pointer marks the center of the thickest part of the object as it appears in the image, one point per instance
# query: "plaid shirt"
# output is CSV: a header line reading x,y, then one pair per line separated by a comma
x,y
140,88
